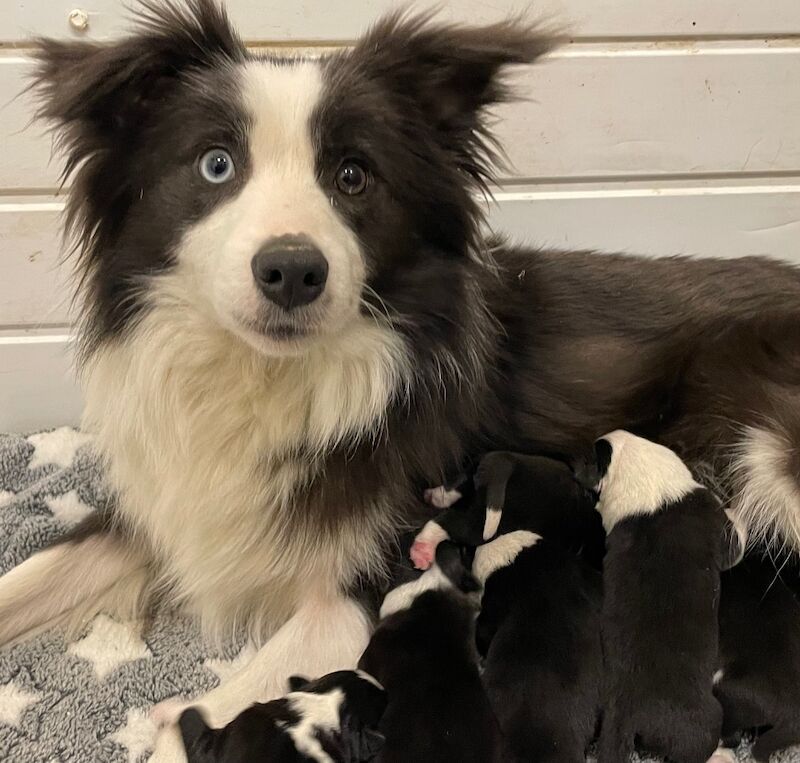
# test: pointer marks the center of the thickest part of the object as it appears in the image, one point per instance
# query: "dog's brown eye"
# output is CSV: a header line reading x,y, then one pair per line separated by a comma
x,y
351,178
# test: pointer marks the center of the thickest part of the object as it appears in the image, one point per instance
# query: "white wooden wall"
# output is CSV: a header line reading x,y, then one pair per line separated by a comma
x,y
664,127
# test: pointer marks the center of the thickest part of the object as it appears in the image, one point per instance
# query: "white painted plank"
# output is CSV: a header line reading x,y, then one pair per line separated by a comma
x,y
37,386
674,218
726,220
590,112
33,290
344,20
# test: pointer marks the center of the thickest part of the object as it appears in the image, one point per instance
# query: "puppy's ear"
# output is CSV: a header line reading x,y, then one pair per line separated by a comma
x,y
449,73
95,94
198,737
298,683
591,466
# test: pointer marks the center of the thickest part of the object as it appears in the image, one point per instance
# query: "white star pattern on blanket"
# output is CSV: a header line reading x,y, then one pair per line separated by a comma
x,y
68,509
109,644
136,736
57,447
14,701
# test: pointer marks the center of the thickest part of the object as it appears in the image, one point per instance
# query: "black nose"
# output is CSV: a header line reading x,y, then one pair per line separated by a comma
x,y
290,271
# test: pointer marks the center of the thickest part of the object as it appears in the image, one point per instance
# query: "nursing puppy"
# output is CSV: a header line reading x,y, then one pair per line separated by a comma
x,y
758,683
512,491
333,719
666,545
539,630
423,653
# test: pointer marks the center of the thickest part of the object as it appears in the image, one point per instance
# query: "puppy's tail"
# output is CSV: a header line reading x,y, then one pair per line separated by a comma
x,y
616,741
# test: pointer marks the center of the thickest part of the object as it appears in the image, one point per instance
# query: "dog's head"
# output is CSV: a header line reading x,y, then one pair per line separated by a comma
x,y
282,199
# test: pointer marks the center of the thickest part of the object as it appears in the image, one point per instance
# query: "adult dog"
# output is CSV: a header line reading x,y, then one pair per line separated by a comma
x,y
292,323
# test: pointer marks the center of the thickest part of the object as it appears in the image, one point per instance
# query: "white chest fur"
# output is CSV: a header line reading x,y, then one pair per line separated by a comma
x,y
197,431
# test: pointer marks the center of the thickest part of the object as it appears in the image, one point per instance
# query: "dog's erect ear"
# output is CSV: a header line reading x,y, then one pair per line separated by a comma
x,y
298,683
197,736
96,93
446,72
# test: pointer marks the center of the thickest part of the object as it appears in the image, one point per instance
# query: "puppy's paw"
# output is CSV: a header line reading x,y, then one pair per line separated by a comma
x,y
167,712
422,554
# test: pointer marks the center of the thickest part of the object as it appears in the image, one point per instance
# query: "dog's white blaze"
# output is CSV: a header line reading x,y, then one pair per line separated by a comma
x,y
403,596
282,196
318,712
767,497
501,552
642,477
492,522
196,429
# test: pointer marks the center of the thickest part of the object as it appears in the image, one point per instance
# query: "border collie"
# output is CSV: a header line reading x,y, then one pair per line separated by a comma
x,y
661,579
514,491
539,630
292,323
423,652
334,718
758,683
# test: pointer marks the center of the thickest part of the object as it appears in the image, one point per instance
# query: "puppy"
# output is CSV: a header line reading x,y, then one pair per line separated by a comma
x,y
758,684
513,491
539,629
423,652
334,719
664,552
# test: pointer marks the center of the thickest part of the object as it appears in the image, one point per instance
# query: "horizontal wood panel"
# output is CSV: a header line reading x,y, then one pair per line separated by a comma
x,y
346,19
704,220
38,389
588,113
724,221
32,287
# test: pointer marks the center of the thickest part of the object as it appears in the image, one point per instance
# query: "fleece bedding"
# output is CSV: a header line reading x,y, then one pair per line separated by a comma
x,y
87,699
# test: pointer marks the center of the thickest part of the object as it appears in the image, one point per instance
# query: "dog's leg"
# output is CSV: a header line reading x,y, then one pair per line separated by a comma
x,y
55,583
325,634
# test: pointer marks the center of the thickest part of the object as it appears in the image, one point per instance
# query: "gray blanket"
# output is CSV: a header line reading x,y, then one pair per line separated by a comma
x,y
88,699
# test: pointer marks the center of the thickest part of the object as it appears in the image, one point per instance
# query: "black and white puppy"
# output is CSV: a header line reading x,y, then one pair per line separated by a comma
x,y
539,629
513,491
332,719
758,684
666,545
423,652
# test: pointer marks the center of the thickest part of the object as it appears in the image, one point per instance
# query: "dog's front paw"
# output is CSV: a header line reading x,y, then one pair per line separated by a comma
x,y
168,711
422,554
723,755
169,746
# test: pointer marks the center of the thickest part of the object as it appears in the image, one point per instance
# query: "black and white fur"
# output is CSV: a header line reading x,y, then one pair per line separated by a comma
x,y
514,491
423,653
758,682
333,719
262,458
539,631
661,573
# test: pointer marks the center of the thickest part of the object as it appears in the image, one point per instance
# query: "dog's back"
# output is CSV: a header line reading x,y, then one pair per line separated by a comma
x,y
539,628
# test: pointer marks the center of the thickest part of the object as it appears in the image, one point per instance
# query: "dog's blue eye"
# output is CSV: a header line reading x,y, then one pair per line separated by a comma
x,y
216,166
